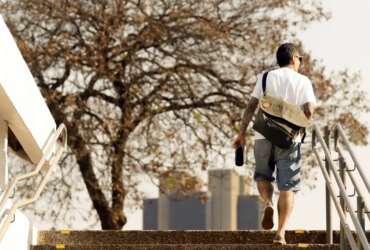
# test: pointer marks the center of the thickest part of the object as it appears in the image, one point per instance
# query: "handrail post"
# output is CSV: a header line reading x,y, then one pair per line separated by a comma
x,y
342,168
329,228
361,217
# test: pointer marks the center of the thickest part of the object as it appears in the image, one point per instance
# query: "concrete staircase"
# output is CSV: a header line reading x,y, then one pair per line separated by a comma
x,y
156,240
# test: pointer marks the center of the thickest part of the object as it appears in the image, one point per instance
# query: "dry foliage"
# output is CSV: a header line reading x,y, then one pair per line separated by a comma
x,y
145,87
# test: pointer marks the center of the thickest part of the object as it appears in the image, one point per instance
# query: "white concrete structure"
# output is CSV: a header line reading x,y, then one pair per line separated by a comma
x,y
21,103
24,111
225,188
3,153
20,235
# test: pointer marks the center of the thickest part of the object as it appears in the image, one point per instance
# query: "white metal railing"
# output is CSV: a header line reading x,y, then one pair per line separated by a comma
x,y
344,204
52,153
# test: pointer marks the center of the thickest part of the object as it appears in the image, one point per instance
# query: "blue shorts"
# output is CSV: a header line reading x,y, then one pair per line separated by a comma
x,y
286,162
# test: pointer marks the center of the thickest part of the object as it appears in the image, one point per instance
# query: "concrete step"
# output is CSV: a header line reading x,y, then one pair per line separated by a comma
x,y
178,237
187,247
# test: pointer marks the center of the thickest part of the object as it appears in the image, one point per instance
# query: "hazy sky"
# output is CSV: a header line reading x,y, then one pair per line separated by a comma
x,y
342,42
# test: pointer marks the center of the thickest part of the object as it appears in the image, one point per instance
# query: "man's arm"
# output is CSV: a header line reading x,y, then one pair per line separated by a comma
x,y
247,117
248,114
308,110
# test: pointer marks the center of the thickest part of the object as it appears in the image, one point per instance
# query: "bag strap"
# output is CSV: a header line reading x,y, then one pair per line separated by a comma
x,y
264,77
304,135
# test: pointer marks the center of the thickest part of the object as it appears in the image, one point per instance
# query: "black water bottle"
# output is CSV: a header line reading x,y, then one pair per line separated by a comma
x,y
239,155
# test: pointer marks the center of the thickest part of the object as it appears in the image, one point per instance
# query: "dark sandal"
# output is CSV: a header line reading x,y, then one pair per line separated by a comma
x,y
267,220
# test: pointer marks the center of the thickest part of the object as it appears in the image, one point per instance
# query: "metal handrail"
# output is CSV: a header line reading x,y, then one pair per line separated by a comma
x,y
48,160
358,166
341,212
354,182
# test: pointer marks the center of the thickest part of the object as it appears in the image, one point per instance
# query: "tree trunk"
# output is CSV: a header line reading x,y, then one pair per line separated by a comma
x,y
118,190
110,218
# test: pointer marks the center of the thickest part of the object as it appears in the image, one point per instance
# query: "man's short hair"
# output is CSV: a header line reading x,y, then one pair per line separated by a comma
x,y
285,54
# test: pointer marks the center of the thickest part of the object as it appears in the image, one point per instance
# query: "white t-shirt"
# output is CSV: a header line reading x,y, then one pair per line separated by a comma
x,y
287,84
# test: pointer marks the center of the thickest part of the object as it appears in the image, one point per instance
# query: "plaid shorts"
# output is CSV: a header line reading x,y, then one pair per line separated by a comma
x,y
286,162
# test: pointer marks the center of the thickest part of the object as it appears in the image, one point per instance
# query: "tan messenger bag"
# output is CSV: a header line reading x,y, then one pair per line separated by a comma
x,y
279,121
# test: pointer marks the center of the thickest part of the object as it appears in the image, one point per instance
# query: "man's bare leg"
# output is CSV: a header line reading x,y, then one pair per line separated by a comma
x,y
266,190
285,208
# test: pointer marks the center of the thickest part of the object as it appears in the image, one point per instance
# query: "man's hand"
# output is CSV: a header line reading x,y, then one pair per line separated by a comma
x,y
239,140
308,110
247,117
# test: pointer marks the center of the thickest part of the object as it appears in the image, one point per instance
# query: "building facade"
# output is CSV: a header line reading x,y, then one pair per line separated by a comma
x,y
227,205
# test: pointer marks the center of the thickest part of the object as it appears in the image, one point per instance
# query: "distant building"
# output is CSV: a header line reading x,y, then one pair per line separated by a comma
x,y
226,206
150,218
184,213
249,212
